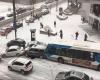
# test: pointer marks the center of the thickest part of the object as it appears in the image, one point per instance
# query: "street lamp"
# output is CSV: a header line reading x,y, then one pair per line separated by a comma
x,y
14,18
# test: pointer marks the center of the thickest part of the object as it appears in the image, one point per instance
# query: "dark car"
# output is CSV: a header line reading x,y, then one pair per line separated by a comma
x,y
18,25
10,15
36,51
2,18
72,75
20,10
17,41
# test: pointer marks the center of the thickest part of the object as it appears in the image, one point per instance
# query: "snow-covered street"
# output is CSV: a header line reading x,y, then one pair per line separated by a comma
x,y
44,69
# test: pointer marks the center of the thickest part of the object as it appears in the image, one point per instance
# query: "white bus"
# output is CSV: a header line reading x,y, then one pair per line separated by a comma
x,y
86,54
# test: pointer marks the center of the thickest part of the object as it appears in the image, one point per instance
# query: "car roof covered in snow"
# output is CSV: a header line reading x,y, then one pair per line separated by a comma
x,y
22,60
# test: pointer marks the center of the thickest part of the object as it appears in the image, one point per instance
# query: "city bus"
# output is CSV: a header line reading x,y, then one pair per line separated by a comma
x,y
85,54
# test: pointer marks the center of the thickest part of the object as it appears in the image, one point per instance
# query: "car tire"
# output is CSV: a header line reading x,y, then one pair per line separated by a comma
x,y
10,69
98,68
22,72
60,60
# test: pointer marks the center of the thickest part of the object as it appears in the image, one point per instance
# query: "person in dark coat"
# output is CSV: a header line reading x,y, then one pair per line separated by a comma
x,y
54,23
48,32
85,37
76,35
61,34
41,25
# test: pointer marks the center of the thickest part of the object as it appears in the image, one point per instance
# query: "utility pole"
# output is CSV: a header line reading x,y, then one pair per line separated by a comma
x,y
14,18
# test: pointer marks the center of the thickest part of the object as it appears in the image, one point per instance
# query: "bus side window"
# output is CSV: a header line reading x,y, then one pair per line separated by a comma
x,y
70,53
62,51
51,50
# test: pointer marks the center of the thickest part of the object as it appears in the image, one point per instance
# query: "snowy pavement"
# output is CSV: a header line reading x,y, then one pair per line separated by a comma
x,y
42,70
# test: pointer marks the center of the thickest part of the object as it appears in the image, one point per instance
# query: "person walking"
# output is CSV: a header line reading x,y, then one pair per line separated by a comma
x,y
85,37
61,34
54,23
48,32
76,35
41,25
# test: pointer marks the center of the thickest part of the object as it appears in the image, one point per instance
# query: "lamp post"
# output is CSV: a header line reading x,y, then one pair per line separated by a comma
x,y
14,18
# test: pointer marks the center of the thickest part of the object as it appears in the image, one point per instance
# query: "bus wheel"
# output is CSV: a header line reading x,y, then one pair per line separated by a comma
x,y
60,60
98,68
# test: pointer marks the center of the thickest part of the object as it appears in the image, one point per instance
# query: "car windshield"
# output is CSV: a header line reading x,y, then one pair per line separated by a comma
x,y
67,74
86,77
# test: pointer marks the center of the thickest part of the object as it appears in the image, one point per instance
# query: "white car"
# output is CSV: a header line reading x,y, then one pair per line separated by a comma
x,y
20,64
13,51
45,29
72,75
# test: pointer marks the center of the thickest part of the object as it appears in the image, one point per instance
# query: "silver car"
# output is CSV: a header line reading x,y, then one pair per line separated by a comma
x,y
72,75
13,51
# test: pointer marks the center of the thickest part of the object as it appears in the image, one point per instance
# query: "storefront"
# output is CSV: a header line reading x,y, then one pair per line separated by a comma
x,y
94,16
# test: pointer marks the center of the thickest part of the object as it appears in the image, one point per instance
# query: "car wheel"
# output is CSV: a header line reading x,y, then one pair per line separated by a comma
x,y
98,68
60,60
22,72
10,69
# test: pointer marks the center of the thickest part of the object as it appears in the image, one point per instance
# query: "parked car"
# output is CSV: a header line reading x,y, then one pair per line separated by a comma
x,y
47,28
44,9
2,18
10,14
5,30
72,75
30,20
13,51
20,10
17,41
20,64
38,14
36,51
18,25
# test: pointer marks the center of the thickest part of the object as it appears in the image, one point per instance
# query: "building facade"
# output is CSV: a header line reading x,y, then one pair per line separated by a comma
x,y
26,2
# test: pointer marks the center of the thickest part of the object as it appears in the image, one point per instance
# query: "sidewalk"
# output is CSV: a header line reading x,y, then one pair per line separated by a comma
x,y
93,34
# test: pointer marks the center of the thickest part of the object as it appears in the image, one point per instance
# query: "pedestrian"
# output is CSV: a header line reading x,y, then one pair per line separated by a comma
x,y
54,23
61,34
83,19
85,37
48,32
76,35
41,25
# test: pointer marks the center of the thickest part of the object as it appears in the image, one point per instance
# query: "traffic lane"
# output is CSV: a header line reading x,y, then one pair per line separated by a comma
x,y
44,70
5,74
